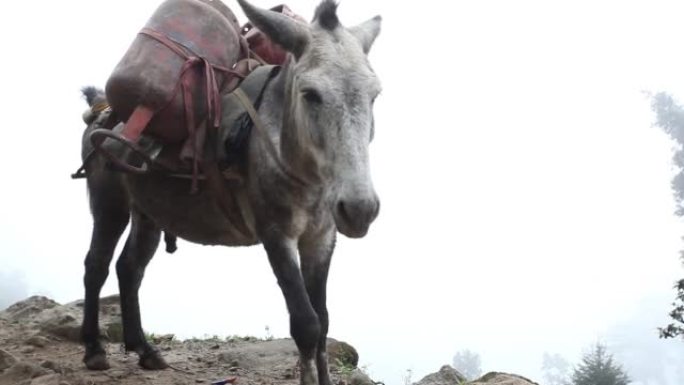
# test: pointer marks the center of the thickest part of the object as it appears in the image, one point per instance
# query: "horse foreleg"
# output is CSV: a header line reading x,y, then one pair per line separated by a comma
x,y
305,327
109,207
316,254
141,245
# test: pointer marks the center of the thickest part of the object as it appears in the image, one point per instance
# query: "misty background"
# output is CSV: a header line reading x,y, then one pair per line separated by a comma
x,y
526,202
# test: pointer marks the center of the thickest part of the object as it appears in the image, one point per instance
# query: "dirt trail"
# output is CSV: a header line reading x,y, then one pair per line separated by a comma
x,y
39,346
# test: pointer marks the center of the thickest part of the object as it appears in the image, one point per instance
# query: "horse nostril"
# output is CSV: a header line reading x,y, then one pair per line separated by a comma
x,y
342,210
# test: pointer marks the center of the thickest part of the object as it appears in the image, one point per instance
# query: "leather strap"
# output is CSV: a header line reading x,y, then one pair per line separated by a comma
x,y
263,135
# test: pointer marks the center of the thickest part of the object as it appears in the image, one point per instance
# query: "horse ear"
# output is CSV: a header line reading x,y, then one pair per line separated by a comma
x,y
290,34
367,31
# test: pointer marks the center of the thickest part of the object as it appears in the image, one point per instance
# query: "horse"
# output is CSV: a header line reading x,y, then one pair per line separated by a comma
x,y
317,112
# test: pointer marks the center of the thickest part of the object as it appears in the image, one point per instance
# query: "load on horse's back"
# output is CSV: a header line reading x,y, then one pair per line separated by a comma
x,y
159,156
170,80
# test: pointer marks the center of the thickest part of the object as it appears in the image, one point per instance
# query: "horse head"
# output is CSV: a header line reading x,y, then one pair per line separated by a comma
x,y
328,107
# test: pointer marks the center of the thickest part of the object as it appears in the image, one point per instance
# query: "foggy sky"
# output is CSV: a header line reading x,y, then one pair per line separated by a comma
x,y
525,194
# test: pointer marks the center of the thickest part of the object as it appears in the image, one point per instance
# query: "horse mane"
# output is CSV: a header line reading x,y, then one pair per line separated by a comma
x,y
326,14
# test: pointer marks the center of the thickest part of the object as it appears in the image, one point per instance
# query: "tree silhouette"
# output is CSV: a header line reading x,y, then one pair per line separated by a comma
x,y
468,364
670,118
556,369
598,368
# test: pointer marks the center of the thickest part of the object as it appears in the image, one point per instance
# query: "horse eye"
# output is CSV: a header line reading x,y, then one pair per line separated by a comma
x,y
312,96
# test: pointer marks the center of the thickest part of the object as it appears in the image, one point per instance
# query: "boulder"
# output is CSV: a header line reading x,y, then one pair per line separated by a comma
x,y
62,323
497,378
358,377
446,376
342,354
26,309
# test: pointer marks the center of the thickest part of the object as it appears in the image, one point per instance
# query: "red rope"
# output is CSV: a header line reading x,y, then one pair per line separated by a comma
x,y
212,90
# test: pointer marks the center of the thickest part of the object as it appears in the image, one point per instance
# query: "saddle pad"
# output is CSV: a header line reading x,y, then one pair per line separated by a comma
x,y
236,124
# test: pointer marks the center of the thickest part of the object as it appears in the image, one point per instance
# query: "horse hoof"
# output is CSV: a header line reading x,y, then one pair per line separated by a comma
x,y
97,361
153,360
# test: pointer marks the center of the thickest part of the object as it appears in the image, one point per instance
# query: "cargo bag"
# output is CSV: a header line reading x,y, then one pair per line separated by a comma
x,y
170,79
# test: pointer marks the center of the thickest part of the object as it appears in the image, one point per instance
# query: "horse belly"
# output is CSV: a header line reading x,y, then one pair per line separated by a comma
x,y
194,217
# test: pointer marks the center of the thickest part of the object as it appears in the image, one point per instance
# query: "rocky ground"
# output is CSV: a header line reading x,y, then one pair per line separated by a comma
x,y
39,346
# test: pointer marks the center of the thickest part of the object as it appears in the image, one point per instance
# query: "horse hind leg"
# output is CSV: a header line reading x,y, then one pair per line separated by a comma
x,y
109,207
140,247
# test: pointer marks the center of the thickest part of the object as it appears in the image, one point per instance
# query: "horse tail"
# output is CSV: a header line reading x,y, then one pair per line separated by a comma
x,y
93,95
97,101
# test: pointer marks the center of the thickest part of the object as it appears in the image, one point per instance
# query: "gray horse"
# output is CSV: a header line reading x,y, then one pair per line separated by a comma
x,y
318,111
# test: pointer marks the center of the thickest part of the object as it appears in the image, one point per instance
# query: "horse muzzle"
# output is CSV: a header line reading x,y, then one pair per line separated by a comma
x,y
354,216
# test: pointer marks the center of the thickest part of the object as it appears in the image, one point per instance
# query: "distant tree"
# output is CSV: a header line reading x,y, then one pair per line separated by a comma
x,y
677,314
599,368
670,118
556,369
468,364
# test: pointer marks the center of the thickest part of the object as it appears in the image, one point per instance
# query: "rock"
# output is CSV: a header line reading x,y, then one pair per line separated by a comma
x,y
47,364
26,309
497,378
62,324
28,349
37,341
6,360
446,376
342,354
50,379
358,377
114,332
21,371
110,300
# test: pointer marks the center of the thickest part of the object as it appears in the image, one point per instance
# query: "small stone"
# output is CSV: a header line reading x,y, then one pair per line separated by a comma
x,y
214,347
47,364
28,350
200,380
37,341
64,383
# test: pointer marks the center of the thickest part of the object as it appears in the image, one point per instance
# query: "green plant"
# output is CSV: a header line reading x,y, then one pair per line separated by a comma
x,y
344,368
